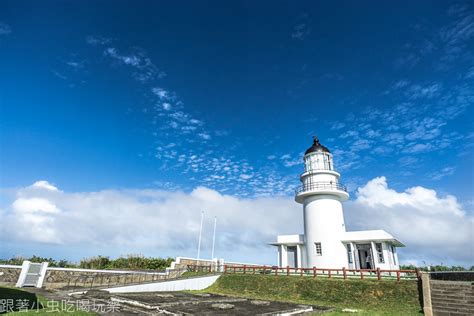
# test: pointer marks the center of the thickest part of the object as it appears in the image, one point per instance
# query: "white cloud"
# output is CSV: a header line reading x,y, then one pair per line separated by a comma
x,y
204,136
44,185
144,69
97,40
417,91
418,148
444,172
144,219
75,64
161,93
435,229
337,126
59,75
131,60
34,205
246,176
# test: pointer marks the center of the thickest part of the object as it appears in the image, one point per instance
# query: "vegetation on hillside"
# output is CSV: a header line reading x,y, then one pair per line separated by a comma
x,y
371,296
52,262
133,262
436,268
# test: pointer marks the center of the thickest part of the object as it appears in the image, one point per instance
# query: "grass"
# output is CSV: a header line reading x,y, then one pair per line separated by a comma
x,y
24,303
189,274
370,297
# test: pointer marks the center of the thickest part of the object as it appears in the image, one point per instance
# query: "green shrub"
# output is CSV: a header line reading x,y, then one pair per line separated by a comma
x,y
130,262
52,263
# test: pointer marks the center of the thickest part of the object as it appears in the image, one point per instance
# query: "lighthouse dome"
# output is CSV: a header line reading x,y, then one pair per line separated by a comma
x,y
316,147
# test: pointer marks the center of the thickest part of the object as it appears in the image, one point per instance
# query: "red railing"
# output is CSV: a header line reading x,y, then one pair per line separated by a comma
x,y
314,272
198,268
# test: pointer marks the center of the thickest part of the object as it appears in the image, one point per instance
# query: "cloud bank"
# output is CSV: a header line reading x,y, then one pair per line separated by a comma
x,y
435,229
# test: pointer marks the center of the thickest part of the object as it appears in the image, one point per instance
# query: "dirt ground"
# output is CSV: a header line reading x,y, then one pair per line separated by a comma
x,y
177,303
180,303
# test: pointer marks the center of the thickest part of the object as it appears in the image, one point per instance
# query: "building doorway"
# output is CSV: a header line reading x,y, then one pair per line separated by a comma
x,y
292,256
365,257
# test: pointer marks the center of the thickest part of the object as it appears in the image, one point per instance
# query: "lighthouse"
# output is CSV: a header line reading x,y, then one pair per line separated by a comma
x,y
325,242
322,195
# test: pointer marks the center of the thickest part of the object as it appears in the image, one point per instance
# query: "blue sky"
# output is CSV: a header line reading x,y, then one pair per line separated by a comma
x,y
120,95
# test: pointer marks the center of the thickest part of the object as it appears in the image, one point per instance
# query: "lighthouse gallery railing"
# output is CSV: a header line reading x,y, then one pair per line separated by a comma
x,y
320,186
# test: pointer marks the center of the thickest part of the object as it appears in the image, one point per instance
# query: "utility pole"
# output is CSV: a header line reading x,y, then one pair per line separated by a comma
x,y
200,233
214,238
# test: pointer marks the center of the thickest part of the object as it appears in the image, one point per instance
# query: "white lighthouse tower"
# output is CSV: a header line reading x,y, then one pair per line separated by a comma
x,y
325,242
321,195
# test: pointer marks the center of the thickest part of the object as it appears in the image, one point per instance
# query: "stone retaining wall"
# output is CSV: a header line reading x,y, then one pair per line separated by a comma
x,y
60,278
70,277
9,275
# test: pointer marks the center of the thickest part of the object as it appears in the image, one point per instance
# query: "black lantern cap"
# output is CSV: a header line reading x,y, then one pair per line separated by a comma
x,y
316,147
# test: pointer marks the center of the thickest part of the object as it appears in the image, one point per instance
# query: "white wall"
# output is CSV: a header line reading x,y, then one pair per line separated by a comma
x,y
198,283
324,223
387,253
320,177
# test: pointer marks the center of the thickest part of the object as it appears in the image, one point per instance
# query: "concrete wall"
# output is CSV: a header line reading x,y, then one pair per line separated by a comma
x,y
197,283
452,297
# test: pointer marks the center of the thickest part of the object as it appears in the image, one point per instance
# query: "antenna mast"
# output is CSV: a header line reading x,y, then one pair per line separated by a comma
x,y
200,233
214,237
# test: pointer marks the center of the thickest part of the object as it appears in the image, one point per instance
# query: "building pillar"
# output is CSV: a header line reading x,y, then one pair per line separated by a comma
x,y
279,256
374,255
395,256
284,256
352,265
298,256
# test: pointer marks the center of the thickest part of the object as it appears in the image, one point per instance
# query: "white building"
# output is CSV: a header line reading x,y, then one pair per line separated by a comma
x,y
326,243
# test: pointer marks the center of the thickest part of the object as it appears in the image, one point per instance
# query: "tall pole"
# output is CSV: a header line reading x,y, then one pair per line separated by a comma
x,y
214,238
200,233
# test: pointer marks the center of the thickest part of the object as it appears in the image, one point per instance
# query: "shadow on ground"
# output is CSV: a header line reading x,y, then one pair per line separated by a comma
x,y
13,300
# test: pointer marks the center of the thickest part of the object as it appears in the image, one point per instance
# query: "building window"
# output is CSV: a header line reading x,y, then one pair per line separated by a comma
x,y
378,247
349,253
319,250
